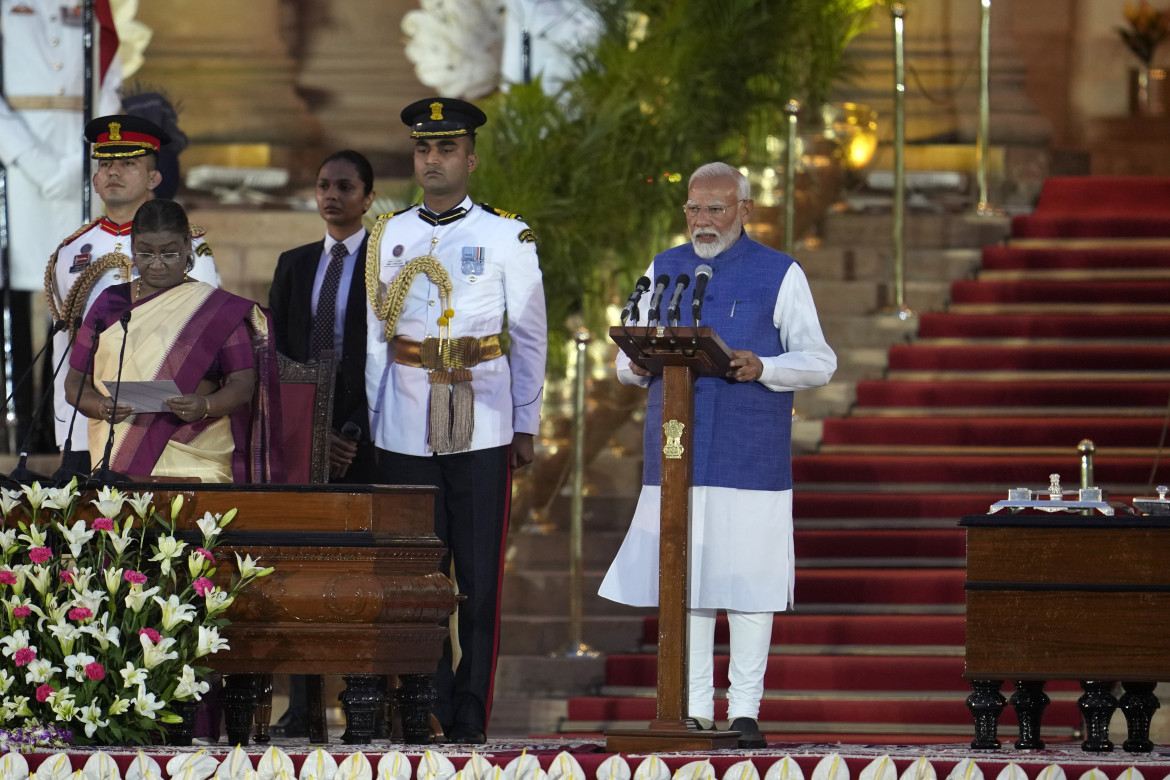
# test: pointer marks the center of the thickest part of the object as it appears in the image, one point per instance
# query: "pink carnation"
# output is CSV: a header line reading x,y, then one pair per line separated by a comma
x,y
203,586
206,554
95,671
24,656
45,691
7,578
135,577
39,554
151,634
102,524
21,611
67,576
80,613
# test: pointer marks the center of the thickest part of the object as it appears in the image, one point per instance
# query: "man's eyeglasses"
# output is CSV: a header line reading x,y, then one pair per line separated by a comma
x,y
168,258
715,212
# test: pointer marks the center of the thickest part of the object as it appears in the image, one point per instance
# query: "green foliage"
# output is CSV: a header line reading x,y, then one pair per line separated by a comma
x,y
600,170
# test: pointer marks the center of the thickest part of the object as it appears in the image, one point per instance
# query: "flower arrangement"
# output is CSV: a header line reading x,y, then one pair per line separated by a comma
x,y
102,623
1145,31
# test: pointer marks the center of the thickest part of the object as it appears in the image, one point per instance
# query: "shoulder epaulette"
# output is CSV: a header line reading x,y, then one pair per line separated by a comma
x,y
501,212
394,213
198,231
78,234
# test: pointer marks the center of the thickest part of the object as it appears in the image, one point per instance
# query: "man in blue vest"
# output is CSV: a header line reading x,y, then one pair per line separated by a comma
x,y
741,555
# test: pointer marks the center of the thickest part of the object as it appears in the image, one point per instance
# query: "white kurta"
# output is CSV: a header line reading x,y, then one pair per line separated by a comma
x,y
741,554
74,257
501,276
43,149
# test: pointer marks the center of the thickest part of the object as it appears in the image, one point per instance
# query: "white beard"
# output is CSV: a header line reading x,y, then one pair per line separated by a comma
x,y
721,243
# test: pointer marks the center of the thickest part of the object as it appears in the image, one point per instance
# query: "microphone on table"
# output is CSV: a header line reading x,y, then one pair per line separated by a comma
x,y
104,474
702,276
652,314
631,310
672,311
21,473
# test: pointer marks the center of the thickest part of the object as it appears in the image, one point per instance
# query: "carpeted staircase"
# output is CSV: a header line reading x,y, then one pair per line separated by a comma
x,y
1055,340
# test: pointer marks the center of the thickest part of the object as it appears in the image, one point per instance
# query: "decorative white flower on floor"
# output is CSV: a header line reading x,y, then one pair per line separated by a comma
x,y
455,45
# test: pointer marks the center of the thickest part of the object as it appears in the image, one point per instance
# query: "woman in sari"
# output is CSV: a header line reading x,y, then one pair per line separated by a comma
x,y
211,343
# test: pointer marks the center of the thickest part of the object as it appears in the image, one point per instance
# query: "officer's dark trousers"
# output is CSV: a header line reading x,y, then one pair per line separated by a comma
x,y
471,519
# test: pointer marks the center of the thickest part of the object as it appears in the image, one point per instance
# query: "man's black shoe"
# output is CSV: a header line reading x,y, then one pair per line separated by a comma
x,y
465,735
750,737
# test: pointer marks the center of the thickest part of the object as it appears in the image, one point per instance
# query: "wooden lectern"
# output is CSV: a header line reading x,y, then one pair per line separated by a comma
x,y
679,356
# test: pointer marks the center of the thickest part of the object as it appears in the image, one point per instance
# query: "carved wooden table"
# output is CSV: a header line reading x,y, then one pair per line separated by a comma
x,y
1067,597
356,592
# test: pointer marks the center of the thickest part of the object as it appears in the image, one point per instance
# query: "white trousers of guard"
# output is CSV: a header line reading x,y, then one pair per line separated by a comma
x,y
751,638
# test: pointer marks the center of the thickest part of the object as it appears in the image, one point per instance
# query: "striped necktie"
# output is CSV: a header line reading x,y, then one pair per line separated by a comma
x,y
323,323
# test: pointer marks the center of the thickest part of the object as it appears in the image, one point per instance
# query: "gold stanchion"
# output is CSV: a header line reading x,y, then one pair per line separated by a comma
x,y
900,309
984,207
577,647
792,108
1086,448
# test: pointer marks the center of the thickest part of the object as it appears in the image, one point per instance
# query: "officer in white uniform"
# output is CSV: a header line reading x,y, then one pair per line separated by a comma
x,y
98,254
448,408
41,122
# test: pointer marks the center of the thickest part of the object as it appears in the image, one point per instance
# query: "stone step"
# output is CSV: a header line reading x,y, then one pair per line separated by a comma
x,y
843,331
602,537
856,263
540,675
941,231
872,297
548,635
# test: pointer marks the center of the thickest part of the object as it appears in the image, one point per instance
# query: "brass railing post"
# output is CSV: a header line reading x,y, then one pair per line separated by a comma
x,y
792,108
900,310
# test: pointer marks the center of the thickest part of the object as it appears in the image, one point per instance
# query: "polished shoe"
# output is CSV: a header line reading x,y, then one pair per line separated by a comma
x,y
465,735
750,737
700,724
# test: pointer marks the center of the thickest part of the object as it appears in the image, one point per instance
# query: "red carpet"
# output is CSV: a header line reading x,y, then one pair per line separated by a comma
x,y
1106,432
1043,291
1042,326
1083,357
1087,393
1098,207
1006,258
803,629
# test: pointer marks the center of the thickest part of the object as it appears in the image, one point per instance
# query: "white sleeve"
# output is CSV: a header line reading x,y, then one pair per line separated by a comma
x,y
622,362
377,366
808,361
528,333
204,269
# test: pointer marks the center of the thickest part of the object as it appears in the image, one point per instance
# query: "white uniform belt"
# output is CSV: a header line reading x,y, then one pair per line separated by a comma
x,y
45,103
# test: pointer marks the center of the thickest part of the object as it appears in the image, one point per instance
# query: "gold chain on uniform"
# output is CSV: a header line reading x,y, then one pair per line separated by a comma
x,y
388,307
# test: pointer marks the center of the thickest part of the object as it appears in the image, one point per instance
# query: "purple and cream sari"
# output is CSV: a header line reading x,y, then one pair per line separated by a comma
x,y
187,333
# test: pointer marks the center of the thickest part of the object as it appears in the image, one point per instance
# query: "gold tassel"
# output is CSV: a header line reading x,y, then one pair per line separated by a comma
x,y
440,416
462,410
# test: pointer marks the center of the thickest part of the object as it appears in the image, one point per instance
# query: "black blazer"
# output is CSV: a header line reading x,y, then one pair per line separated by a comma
x,y
291,303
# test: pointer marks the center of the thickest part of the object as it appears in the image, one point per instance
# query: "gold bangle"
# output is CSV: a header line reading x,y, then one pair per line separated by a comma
x,y
206,408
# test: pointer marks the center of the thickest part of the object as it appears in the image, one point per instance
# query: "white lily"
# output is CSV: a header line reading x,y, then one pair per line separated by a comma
x,y
62,498
76,537
133,675
35,536
6,681
81,578
248,568
217,600
141,503
209,527
91,600
120,706
176,507
137,597
121,540
36,495
91,716
21,573
54,611
64,704
168,547
66,634
40,670
155,654
17,640
109,501
197,564
101,632
39,576
9,500
7,536
209,641
16,707
113,580
174,612
146,703
75,664
189,686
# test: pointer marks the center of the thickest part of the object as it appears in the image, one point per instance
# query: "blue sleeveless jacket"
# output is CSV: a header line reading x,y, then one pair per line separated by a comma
x,y
742,430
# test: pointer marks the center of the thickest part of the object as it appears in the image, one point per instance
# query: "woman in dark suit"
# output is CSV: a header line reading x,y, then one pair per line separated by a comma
x,y
333,269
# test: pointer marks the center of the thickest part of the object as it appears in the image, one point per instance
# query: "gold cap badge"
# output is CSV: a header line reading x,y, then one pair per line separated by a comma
x,y
436,110
115,131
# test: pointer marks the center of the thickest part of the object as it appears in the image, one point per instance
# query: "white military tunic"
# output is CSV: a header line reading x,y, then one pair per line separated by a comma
x,y
100,239
494,271
43,148
729,569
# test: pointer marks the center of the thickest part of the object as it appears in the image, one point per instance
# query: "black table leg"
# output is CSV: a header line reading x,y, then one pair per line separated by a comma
x,y
986,704
1138,704
315,700
1097,705
415,697
361,700
239,705
1029,702
263,708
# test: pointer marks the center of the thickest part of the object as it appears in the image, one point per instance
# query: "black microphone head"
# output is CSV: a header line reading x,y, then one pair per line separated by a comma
x,y
352,430
125,319
682,279
703,272
98,326
60,325
643,284
662,280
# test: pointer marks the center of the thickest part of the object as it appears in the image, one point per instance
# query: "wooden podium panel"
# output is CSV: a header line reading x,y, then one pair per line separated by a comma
x,y
655,348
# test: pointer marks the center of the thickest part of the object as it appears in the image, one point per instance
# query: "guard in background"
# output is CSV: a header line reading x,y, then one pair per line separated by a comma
x,y
447,407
